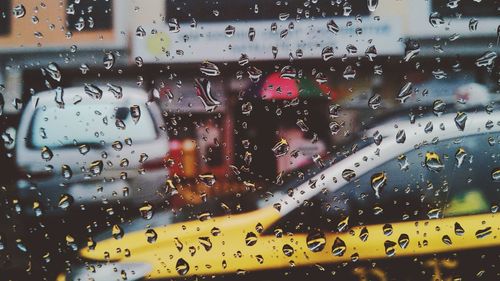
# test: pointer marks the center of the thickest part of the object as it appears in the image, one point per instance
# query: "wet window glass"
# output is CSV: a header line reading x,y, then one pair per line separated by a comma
x,y
249,140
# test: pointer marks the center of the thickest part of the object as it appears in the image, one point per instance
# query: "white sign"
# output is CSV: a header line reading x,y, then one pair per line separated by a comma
x,y
209,41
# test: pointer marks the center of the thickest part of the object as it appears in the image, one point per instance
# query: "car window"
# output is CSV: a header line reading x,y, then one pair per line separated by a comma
x,y
472,190
89,124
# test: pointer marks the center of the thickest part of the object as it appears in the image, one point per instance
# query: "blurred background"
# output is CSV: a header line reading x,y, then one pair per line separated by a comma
x,y
339,54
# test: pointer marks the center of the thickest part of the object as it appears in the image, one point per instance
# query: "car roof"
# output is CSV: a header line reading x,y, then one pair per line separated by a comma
x,y
372,156
72,94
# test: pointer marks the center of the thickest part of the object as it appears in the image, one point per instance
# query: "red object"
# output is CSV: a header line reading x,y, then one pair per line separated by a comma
x,y
276,88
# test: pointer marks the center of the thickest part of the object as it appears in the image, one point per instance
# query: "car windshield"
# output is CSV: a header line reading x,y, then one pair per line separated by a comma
x,y
89,124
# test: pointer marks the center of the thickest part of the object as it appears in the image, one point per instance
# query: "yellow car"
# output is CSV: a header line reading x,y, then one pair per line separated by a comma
x,y
424,188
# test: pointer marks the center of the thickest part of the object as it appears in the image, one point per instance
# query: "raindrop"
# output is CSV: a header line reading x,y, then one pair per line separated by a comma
x,y
108,60
403,240
53,71
339,247
96,167
446,239
387,229
66,172
371,52
281,148
486,59
19,11
435,19
46,153
495,174
205,243
65,201
405,92
182,267
230,30
483,232
93,91
151,236
146,211
203,90
460,120
459,231
378,181
332,27
473,24
372,5
390,249
327,53
209,68
316,241
363,234
438,107
174,27
401,136
251,34
375,101
250,239
208,179
460,156
433,162
140,32
135,112
287,250
117,232
348,174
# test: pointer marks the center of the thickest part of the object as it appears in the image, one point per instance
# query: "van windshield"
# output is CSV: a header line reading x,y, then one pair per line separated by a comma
x,y
89,124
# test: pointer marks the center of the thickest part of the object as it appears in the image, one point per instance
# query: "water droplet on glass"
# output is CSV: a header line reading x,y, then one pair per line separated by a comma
x,y
66,172
209,68
387,229
230,30
146,211
140,32
287,250
486,59
435,19
433,162
403,240
446,239
363,234
372,5
481,233
208,179
434,213
93,91
327,53
332,27
108,60
339,247
19,11
460,120
182,267
473,24
348,174
65,201
459,231
316,241
378,181
495,174
460,156
96,167
135,112
46,153
151,235
117,232
251,34
438,107
53,71
251,239
203,90
405,92
390,249
281,148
